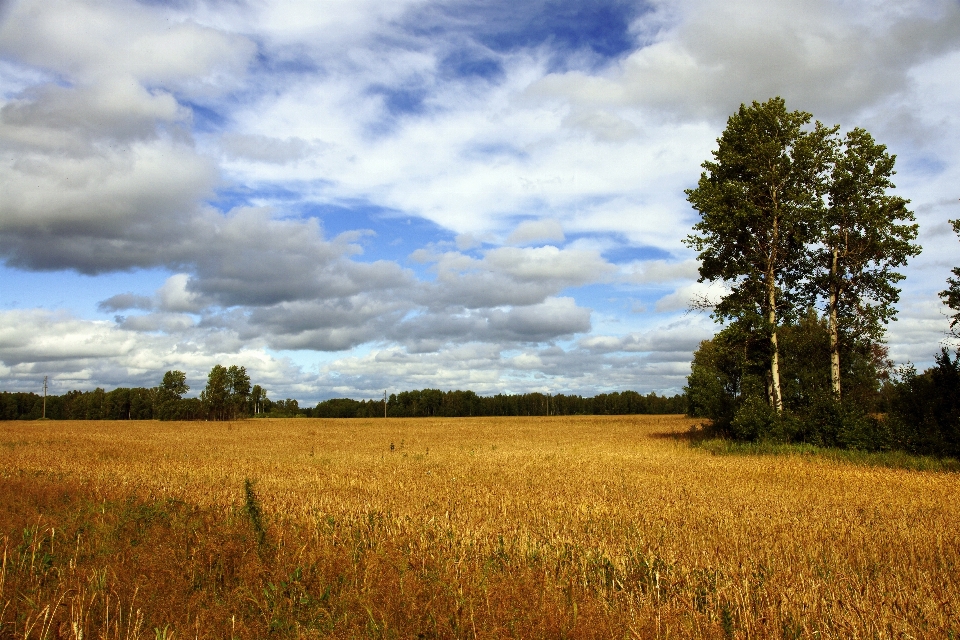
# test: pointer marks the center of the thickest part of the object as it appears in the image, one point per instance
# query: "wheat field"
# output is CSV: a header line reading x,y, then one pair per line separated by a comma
x,y
559,527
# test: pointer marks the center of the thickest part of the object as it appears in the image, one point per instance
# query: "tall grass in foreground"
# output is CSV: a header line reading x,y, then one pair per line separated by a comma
x,y
468,528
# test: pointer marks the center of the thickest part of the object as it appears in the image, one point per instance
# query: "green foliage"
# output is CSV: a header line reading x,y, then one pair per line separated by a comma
x,y
434,402
894,459
756,420
863,236
757,200
727,384
226,394
258,396
794,217
867,231
144,404
238,383
924,412
169,396
289,408
951,295
120,404
720,369
174,383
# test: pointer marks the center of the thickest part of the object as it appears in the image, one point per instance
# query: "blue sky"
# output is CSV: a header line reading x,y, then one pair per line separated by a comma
x,y
351,196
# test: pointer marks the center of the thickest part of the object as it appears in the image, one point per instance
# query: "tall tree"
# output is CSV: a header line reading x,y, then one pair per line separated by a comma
x,y
865,235
758,201
238,383
216,395
257,396
174,384
169,395
951,296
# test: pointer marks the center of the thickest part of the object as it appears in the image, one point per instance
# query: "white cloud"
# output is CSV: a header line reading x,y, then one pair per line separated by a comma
x,y
78,353
96,41
536,230
657,271
828,57
174,296
696,295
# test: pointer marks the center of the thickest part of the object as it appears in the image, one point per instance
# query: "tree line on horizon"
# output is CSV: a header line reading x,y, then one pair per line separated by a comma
x,y
229,395
798,226
437,403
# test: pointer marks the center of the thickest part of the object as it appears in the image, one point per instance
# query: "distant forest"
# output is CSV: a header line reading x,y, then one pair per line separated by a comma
x,y
153,403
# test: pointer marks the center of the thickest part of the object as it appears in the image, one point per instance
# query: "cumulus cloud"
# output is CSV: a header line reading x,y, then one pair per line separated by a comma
x,y
101,212
324,325
78,353
175,297
508,275
97,168
708,57
536,230
697,295
124,301
90,41
676,339
251,258
553,318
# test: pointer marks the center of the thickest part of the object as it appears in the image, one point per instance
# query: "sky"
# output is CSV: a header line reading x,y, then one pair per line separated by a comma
x,y
352,196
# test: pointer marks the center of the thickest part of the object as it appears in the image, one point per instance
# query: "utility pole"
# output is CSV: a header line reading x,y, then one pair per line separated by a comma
x,y
384,403
44,397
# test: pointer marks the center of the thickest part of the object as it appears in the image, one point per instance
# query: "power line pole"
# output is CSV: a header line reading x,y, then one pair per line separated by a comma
x,y
44,397
384,403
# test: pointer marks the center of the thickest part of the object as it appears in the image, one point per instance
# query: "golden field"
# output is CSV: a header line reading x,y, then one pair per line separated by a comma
x,y
560,527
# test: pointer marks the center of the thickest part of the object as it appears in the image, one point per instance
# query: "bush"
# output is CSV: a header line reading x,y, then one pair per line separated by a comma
x,y
756,420
831,423
924,413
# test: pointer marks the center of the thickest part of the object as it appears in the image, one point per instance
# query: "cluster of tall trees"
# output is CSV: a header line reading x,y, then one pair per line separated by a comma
x,y
434,402
798,224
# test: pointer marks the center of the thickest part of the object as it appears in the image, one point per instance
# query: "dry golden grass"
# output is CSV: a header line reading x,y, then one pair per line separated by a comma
x,y
524,527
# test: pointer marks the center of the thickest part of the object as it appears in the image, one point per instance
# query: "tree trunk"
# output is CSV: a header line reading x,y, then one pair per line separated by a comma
x,y
775,349
834,329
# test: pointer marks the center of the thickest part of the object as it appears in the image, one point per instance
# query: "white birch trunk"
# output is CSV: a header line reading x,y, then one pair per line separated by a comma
x,y
834,328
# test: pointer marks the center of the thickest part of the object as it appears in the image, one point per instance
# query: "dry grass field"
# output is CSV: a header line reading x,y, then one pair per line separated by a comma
x,y
567,527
